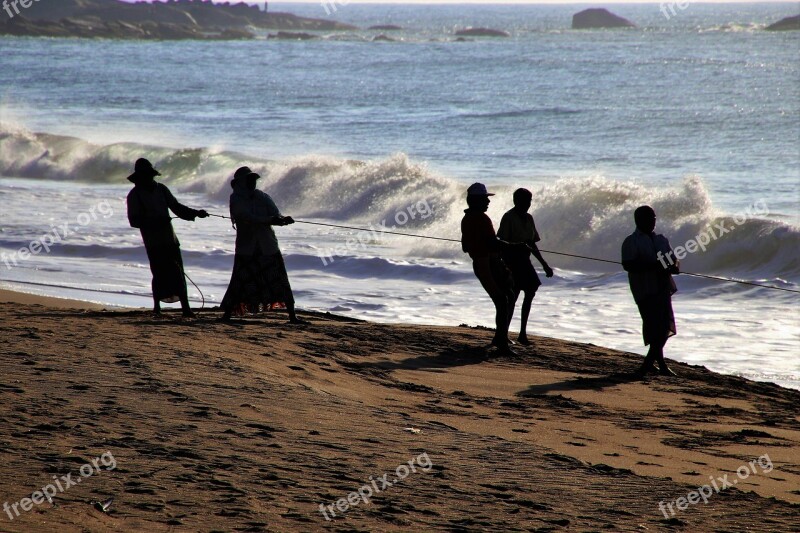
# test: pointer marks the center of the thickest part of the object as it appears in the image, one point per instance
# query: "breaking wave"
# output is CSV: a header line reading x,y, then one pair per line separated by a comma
x,y
586,216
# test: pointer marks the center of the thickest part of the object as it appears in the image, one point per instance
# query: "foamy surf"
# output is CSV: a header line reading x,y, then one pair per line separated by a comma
x,y
580,216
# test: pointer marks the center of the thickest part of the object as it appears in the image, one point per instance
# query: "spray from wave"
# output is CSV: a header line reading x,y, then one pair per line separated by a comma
x,y
587,216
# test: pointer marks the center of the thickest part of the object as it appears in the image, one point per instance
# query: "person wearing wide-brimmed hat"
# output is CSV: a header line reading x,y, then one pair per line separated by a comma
x,y
480,241
149,204
259,275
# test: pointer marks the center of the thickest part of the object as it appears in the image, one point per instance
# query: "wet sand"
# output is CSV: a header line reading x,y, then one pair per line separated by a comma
x,y
251,426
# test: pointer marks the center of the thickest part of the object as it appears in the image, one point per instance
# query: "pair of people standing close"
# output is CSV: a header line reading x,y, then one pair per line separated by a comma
x,y
501,261
259,272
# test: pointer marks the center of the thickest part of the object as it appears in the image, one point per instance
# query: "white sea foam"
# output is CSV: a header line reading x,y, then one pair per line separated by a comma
x,y
580,216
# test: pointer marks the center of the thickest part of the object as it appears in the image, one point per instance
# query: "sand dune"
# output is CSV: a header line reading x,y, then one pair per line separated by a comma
x,y
251,426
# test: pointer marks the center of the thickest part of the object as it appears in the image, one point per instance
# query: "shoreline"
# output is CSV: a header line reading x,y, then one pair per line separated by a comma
x,y
257,424
21,297
24,298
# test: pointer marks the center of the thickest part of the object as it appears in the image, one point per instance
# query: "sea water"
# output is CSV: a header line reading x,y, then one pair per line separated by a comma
x,y
697,115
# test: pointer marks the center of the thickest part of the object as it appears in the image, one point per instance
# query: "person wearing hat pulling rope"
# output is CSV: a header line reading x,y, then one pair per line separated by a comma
x,y
149,204
480,241
259,273
652,286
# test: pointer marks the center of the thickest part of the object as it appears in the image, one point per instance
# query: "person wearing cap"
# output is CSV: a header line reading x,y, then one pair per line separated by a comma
x,y
149,204
517,225
479,240
259,273
652,286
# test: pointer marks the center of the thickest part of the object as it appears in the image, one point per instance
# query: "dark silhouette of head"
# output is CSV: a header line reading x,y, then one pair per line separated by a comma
x,y
478,197
250,181
523,199
645,218
240,174
143,172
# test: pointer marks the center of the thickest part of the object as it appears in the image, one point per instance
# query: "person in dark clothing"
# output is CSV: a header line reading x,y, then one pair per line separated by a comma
x,y
652,286
149,204
517,226
259,275
479,240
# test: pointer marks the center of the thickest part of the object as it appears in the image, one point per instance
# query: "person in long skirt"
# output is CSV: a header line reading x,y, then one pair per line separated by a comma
x,y
149,204
259,275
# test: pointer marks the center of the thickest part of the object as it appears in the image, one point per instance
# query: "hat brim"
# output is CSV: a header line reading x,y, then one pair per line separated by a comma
x,y
236,180
133,178
482,194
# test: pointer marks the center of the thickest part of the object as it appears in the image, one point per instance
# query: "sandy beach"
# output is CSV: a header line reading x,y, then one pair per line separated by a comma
x,y
261,426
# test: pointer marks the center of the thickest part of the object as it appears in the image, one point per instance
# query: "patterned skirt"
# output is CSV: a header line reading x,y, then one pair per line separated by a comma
x,y
258,280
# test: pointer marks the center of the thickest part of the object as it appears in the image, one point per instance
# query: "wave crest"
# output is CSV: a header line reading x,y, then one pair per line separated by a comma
x,y
587,216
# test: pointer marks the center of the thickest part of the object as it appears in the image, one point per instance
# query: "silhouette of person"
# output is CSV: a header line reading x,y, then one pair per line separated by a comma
x,y
517,225
149,204
259,273
479,240
652,286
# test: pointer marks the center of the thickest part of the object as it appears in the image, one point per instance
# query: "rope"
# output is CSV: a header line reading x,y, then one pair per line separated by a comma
x,y
706,276
389,232
203,306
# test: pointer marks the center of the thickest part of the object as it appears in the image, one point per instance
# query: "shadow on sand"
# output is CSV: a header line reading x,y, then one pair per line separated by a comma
x,y
445,359
581,383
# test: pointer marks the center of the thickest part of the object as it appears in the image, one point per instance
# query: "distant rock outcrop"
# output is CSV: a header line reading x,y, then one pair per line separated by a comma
x,y
385,27
292,36
482,32
178,19
599,18
384,38
785,24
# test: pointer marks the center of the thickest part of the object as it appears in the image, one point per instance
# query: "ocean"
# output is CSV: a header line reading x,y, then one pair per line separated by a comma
x,y
697,115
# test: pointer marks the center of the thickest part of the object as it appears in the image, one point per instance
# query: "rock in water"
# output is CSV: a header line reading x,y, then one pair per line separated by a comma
x,y
385,27
292,36
599,18
482,32
788,23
